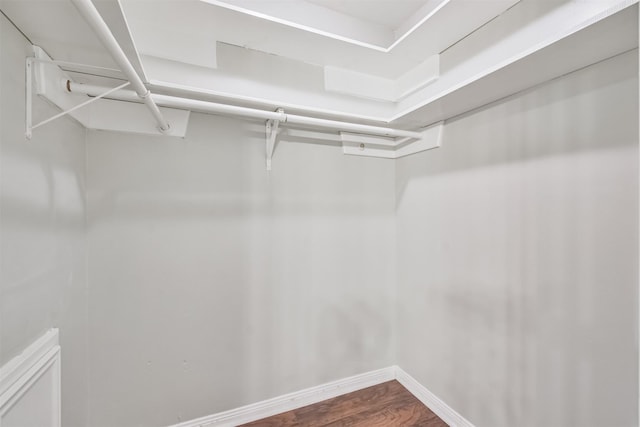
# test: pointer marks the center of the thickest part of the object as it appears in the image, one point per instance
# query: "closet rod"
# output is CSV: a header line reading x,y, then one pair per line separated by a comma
x,y
216,108
95,21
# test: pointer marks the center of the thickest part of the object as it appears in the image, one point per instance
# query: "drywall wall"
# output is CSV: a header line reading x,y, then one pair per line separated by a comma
x,y
216,284
42,250
518,256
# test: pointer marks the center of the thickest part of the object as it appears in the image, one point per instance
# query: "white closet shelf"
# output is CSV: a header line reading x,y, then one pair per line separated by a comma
x,y
416,129
564,43
606,35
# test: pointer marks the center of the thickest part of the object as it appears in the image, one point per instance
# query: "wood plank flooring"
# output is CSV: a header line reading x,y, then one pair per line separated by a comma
x,y
388,404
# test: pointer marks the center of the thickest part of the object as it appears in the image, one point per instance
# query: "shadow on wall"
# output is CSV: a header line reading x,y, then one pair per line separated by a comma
x,y
219,171
348,328
231,284
518,255
470,140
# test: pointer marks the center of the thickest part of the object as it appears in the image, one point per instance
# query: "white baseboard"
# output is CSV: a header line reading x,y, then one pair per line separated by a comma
x,y
309,396
30,385
288,402
430,400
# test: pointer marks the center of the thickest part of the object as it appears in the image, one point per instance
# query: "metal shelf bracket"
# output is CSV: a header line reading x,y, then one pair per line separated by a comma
x,y
29,126
271,132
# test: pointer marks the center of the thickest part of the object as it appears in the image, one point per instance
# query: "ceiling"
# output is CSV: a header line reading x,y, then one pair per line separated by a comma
x,y
312,32
388,14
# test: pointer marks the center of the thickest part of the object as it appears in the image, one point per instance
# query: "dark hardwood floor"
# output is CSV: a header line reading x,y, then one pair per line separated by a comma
x,y
388,404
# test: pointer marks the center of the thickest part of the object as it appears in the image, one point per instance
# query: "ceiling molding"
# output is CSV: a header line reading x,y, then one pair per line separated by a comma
x,y
362,85
316,19
157,33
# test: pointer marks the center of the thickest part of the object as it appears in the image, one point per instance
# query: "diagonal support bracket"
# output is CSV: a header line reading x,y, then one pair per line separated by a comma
x,y
99,110
271,132
29,126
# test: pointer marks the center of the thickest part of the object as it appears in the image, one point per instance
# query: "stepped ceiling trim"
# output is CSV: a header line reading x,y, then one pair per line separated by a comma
x,y
159,34
323,21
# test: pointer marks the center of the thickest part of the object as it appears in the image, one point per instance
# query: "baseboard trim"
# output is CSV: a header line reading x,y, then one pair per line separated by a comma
x,y
441,409
309,396
22,396
288,402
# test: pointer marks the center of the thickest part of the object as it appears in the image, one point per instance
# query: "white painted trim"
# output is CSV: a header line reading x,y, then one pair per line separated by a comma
x,y
288,402
423,74
427,12
547,45
20,365
361,85
427,103
441,409
391,148
367,86
309,396
416,87
290,23
269,13
20,374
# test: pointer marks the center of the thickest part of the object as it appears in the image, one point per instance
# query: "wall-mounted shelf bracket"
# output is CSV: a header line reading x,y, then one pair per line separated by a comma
x,y
271,132
392,148
29,126
99,110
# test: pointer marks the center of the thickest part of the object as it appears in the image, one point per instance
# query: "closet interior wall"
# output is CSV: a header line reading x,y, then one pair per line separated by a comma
x,y
518,256
216,284
43,273
518,249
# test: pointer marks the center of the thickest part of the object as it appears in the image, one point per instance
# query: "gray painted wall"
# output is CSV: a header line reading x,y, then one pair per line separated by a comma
x,y
518,256
216,284
42,247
